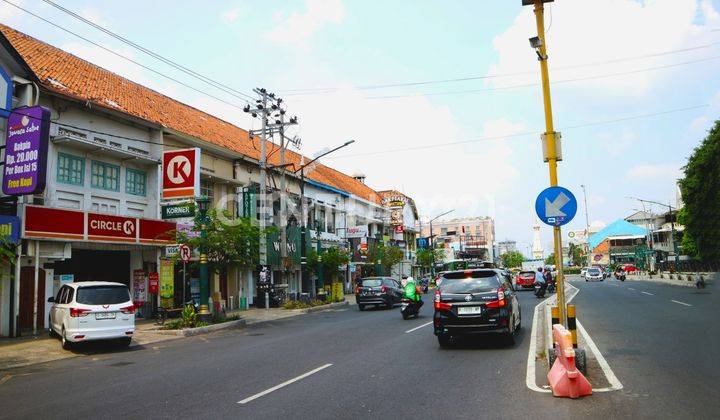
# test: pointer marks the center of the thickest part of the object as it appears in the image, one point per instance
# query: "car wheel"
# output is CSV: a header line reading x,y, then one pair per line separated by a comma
x,y
444,341
66,344
390,305
510,337
519,321
361,307
125,342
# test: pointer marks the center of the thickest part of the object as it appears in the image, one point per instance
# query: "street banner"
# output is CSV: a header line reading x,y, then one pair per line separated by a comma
x,y
181,173
139,295
28,132
153,283
167,283
357,232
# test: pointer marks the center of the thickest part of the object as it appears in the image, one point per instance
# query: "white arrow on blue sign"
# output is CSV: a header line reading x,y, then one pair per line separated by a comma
x,y
556,206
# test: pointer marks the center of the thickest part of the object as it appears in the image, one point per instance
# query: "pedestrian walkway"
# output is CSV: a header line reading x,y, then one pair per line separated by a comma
x,y
30,350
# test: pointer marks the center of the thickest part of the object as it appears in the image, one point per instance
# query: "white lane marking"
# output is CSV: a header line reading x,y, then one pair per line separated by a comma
x,y
609,374
681,303
630,288
418,327
284,384
648,293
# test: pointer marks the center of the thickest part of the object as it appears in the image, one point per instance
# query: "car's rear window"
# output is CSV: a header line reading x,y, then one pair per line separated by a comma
x,y
372,283
102,295
527,274
469,282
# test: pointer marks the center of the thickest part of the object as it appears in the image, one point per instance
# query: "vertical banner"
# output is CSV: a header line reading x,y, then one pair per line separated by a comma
x,y
167,283
139,291
28,132
153,283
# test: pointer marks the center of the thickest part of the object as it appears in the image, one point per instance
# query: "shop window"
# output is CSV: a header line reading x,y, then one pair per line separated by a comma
x,y
135,182
207,189
70,169
105,176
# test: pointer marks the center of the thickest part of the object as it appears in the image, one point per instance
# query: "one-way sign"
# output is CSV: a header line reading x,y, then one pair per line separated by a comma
x,y
556,206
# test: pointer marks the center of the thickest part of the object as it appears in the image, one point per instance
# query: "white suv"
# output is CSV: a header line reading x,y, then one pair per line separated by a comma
x,y
92,310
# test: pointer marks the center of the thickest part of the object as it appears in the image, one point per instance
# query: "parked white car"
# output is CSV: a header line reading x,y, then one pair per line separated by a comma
x,y
92,310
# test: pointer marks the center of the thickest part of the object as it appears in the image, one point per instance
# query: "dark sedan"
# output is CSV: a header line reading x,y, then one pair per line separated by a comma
x,y
471,302
378,291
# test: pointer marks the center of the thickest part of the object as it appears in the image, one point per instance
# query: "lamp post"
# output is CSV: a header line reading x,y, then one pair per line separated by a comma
x,y
203,203
432,242
587,229
303,229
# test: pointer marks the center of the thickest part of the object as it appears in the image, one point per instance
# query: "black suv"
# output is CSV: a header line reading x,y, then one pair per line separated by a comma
x,y
378,291
477,301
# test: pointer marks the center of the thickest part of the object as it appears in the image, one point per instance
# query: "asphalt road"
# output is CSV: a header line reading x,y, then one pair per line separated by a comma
x,y
661,351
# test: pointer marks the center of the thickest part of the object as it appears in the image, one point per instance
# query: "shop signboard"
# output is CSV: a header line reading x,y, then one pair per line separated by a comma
x,y
10,229
177,211
26,146
357,232
187,229
139,295
248,202
422,243
153,283
167,283
172,250
51,223
399,229
181,173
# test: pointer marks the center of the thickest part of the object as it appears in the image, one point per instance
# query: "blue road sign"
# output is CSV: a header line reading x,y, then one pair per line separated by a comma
x,y
556,206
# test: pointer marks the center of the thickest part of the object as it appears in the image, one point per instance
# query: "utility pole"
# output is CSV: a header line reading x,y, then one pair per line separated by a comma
x,y
551,141
587,229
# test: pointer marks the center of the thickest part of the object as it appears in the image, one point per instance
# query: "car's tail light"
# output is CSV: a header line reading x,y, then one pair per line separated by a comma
x,y
441,306
500,303
128,309
357,290
383,289
79,337
77,312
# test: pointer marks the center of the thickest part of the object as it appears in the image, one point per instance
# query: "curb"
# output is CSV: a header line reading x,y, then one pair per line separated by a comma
x,y
325,307
683,282
188,332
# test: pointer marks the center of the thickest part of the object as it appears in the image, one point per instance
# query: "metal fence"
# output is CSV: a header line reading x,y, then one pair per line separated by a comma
x,y
689,266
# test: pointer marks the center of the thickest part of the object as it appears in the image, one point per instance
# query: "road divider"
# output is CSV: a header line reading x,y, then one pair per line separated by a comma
x,y
572,324
284,384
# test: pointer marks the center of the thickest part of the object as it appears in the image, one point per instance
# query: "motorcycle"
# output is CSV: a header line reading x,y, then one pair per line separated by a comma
x,y
620,275
410,308
539,291
551,287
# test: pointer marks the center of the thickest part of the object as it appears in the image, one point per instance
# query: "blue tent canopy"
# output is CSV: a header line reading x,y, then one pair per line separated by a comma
x,y
619,227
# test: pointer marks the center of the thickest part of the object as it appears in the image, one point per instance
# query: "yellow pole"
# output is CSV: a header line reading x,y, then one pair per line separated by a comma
x,y
551,153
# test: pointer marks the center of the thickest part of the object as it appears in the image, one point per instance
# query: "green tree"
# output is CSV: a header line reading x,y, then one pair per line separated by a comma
x,y
512,259
700,187
577,255
228,241
388,255
424,257
550,260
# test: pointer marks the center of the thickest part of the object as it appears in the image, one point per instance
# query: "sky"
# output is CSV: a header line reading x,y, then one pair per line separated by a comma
x,y
634,89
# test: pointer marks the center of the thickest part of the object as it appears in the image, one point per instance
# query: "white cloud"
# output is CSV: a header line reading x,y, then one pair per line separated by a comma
x,y
297,28
232,15
10,15
709,11
662,172
583,32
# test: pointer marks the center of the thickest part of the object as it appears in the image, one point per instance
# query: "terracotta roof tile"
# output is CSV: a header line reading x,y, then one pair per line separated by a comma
x,y
63,73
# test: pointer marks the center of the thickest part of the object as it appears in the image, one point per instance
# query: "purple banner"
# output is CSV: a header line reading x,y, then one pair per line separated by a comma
x,y
26,151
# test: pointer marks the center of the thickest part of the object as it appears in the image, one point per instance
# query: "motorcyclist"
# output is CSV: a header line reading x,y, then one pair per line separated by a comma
x,y
540,280
412,291
549,279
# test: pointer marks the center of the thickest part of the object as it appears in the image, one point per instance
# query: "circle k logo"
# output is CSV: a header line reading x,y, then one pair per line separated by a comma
x,y
178,169
129,227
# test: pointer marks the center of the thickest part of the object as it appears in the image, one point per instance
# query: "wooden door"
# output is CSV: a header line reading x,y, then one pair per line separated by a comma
x,y
27,294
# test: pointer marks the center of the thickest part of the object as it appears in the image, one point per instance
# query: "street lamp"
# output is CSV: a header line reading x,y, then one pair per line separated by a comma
x,y
303,230
587,229
432,243
203,204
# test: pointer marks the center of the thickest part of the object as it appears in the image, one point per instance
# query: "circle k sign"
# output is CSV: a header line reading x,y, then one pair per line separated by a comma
x,y
181,173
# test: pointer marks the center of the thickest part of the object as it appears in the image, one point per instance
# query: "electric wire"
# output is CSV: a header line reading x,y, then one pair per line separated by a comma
x,y
125,57
312,91
218,85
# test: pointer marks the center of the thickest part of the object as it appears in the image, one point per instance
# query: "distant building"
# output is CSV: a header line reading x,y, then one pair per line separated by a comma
x,y
472,237
537,249
503,247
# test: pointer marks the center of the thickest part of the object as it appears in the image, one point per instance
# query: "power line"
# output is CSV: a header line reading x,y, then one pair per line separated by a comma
x,y
578,79
313,91
522,134
125,57
225,88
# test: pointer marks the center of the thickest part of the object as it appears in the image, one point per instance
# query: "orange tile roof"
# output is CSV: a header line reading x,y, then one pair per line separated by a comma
x,y
65,74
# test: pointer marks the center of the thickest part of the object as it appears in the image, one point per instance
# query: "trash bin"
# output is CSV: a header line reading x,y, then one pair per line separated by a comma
x,y
243,303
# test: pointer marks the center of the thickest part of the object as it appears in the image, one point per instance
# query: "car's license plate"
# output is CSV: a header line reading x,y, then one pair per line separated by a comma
x,y
470,310
105,315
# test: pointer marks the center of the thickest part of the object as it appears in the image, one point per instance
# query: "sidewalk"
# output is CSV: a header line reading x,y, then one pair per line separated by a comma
x,y
673,279
25,351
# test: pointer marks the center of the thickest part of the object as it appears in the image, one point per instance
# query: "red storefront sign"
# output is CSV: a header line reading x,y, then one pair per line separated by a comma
x,y
153,283
102,227
52,223
399,229
181,173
